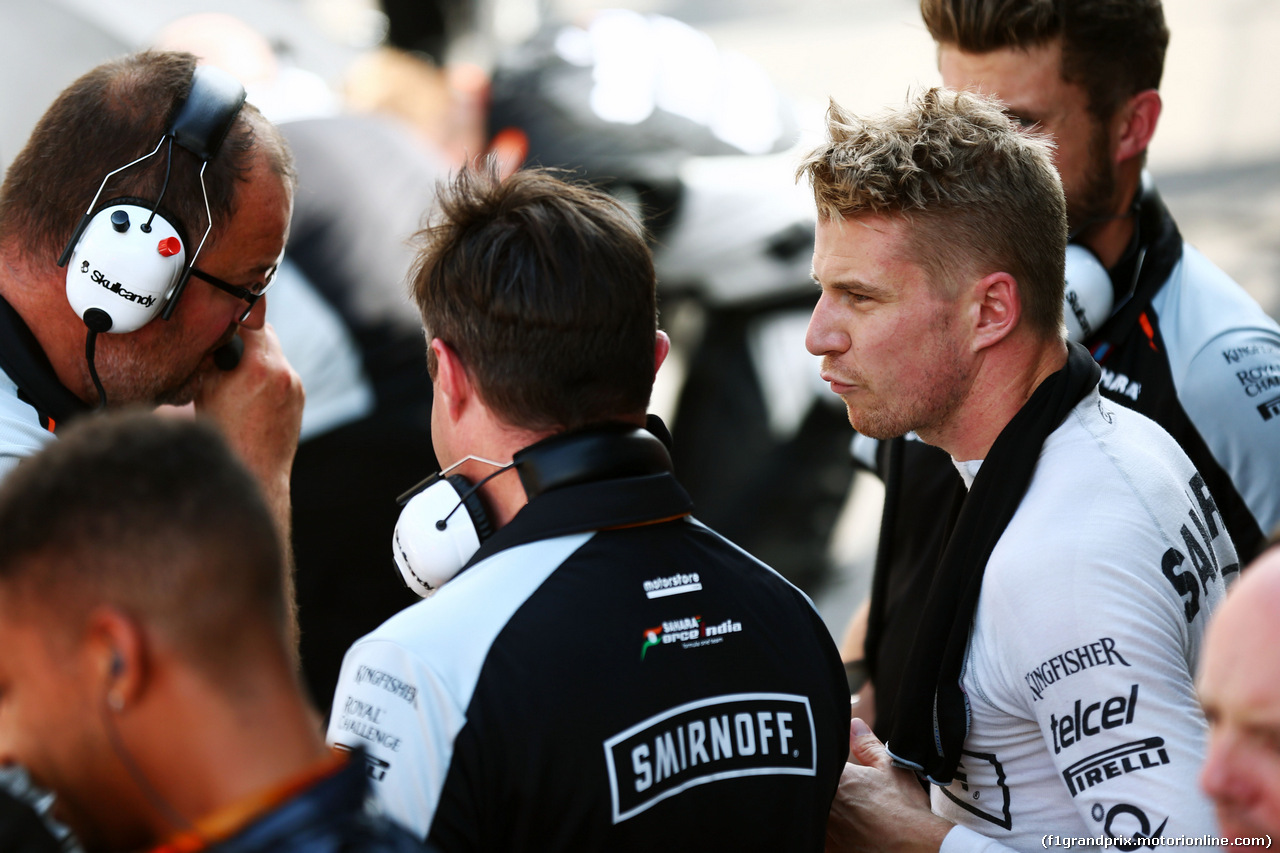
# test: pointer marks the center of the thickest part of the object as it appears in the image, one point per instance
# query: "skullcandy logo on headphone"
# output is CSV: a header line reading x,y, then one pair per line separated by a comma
x,y
116,287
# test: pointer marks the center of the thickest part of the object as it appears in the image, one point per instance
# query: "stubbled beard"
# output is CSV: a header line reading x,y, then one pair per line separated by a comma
x,y
884,423
133,376
932,406
1094,200
182,394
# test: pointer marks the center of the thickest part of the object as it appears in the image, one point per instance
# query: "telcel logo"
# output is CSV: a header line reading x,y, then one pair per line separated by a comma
x,y
1070,729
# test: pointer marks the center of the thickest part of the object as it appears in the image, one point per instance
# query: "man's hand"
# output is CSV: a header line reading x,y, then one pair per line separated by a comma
x,y
879,806
258,407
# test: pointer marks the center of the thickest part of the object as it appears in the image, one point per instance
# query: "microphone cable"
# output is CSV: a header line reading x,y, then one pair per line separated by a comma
x,y
96,320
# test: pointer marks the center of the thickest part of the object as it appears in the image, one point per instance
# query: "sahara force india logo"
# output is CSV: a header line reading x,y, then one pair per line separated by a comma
x,y
688,632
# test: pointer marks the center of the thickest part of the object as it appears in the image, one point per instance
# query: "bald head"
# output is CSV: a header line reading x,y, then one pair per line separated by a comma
x,y
1239,687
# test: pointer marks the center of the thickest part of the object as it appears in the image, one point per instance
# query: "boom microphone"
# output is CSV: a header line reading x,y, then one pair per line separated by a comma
x,y
227,356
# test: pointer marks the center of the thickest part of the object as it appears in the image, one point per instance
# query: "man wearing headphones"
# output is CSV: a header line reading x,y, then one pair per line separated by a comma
x,y
147,678
604,672
147,189
1180,341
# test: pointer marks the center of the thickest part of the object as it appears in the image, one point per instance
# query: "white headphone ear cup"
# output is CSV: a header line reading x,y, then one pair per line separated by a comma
x,y
1089,296
427,556
124,273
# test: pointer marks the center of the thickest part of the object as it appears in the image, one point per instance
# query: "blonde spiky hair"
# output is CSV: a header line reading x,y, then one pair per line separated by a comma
x,y
982,194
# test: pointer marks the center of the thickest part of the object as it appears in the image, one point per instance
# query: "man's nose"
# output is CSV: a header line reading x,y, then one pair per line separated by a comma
x,y
1223,776
825,336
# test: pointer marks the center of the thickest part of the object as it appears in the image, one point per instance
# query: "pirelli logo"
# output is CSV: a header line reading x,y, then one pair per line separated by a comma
x,y
723,737
1117,761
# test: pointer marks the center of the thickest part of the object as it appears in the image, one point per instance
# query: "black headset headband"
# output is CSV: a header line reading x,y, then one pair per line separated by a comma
x,y
601,452
206,116
597,453
201,125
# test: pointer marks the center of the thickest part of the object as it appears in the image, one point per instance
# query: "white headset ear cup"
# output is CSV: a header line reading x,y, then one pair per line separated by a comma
x,y
427,556
123,272
1089,296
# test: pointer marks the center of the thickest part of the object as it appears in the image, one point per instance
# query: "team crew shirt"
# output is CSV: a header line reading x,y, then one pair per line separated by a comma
x,y
1189,349
1204,363
1080,665
33,403
607,674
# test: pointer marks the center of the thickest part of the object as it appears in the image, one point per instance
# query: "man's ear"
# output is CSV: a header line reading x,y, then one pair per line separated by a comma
x,y
661,347
1137,120
452,382
119,654
998,309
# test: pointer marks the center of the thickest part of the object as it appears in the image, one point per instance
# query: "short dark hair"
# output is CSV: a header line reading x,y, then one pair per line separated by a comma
x,y
154,515
980,193
107,118
1113,49
546,291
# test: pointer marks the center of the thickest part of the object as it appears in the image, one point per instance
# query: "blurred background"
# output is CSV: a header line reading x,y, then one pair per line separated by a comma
x,y
1216,159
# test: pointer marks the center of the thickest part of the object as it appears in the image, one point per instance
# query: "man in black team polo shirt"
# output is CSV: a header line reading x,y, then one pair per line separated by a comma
x,y
604,672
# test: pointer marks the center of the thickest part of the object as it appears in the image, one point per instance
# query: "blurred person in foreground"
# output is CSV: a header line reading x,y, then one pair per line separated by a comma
x,y
1176,338
597,670
1239,686
148,677
1049,687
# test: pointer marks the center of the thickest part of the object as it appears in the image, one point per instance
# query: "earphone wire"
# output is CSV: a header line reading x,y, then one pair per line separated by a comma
x,y
153,796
